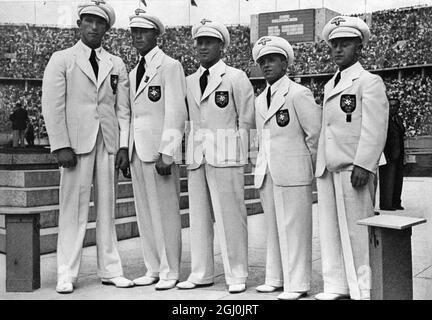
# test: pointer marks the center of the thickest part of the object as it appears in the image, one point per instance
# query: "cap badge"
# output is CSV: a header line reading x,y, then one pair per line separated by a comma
x,y
139,10
337,21
264,41
204,21
98,2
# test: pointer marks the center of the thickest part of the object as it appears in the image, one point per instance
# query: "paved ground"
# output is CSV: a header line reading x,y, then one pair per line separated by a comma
x,y
417,199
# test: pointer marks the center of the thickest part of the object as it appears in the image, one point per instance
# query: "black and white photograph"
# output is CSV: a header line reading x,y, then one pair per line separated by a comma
x,y
220,156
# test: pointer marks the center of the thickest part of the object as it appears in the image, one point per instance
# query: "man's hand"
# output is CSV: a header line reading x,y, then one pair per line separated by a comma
x,y
122,159
359,177
163,165
66,157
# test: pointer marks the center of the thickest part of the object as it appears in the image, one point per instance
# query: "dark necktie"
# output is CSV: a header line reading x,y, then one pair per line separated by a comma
x,y
203,80
140,72
268,97
338,77
94,63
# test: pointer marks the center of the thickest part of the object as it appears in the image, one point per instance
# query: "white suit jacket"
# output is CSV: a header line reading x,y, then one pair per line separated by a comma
x,y
158,107
360,141
75,104
220,119
288,134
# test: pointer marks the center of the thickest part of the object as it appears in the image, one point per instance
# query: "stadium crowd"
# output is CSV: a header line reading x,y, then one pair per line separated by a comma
x,y
401,37
27,49
414,92
30,99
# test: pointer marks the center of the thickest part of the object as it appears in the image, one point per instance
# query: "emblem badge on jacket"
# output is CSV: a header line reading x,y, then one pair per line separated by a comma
x,y
221,98
114,82
282,118
154,93
348,105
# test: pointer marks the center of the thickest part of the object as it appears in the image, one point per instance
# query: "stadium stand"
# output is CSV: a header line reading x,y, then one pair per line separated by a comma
x,y
401,37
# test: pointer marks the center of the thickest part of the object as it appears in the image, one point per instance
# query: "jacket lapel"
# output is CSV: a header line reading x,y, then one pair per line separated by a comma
x,y
215,80
261,104
151,71
278,99
84,64
105,66
344,83
195,87
327,89
132,80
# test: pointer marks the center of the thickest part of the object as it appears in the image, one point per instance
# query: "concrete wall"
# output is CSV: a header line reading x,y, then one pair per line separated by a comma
x,y
322,16
254,29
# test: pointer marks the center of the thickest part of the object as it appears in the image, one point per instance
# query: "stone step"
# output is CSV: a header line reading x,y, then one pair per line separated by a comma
x,y
25,161
126,225
29,178
33,178
49,213
40,196
31,196
41,159
51,177
28,197
125,208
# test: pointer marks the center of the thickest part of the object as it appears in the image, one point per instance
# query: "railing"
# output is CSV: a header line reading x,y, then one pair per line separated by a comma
x,y
256,74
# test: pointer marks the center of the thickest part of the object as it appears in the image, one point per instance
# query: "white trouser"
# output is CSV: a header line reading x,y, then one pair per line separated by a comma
x,y
288,216
344,243
158,214
218,193
98,167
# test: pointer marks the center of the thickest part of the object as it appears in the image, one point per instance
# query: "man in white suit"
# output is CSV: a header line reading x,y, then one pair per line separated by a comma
x,y
288,122
221,108
159,113
354,129
85,103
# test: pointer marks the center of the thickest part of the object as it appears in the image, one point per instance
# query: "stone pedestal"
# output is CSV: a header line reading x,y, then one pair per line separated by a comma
x,y
390,256
23,253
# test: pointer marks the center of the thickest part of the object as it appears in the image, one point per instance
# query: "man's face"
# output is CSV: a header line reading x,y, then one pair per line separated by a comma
x,y
209,50
92,28
144,39
273,66
394,106
345,51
